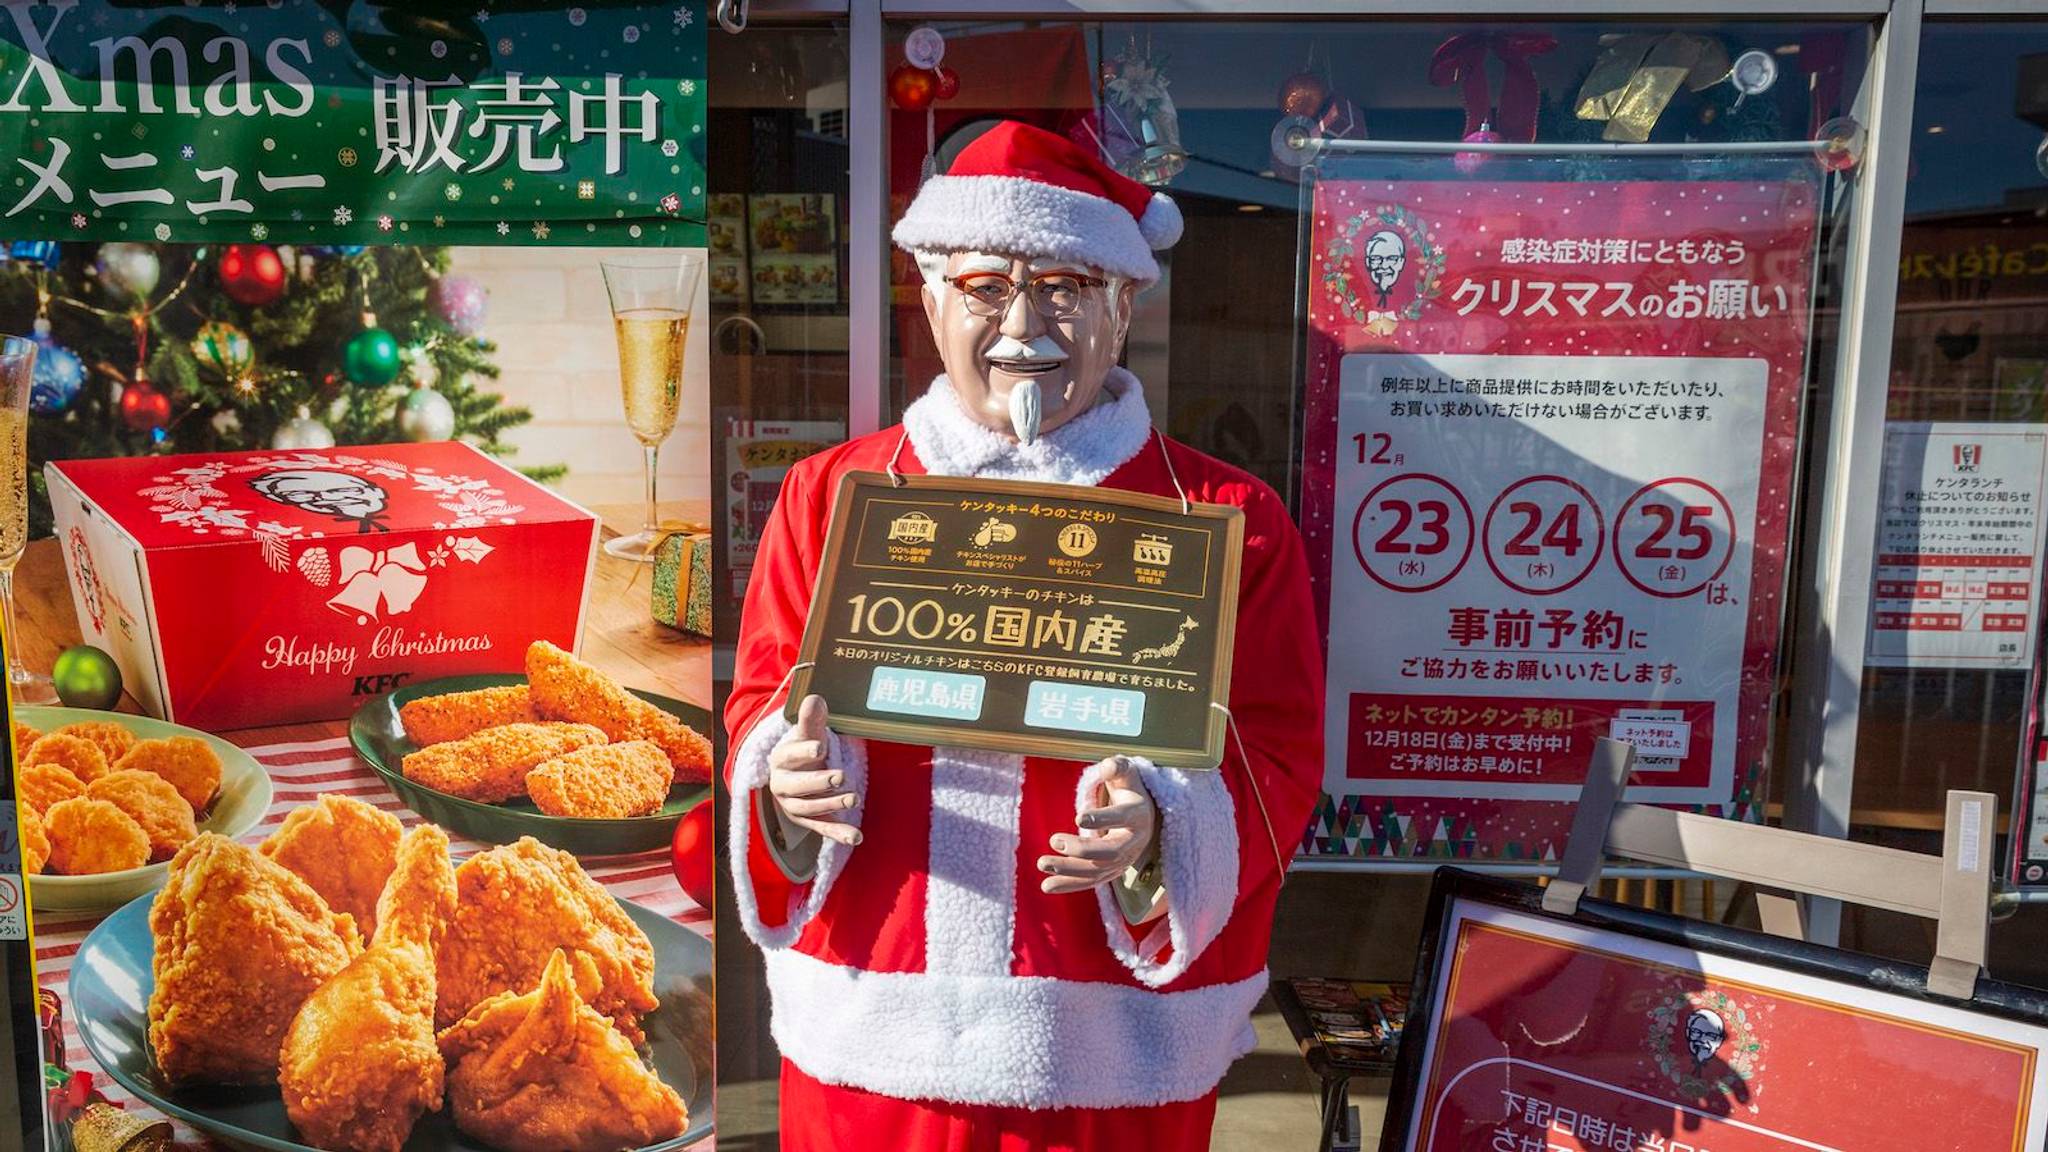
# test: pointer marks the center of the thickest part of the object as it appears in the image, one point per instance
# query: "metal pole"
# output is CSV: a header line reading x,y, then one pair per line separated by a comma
x,y
1577,148
867,343
1830,653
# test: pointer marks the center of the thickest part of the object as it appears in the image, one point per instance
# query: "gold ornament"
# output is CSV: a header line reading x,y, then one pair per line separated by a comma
x,y
105,1128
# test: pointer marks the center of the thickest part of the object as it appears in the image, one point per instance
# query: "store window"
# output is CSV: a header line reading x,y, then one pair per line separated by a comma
x,y
1945,696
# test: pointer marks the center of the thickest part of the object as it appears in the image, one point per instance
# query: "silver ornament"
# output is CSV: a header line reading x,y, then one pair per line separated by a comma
x,y
129,268
425,414
302,431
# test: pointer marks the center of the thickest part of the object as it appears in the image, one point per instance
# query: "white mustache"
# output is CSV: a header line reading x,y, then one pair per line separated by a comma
x,y
1037,348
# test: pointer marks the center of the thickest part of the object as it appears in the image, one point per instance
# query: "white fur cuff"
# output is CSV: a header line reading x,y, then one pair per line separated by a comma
x,y
749,776
1198,853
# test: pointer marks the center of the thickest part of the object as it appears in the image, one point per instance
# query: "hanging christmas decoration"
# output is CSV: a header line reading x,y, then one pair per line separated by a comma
x,y
1303,93
144,407
301,431
224,348
36,253
1470,162
949,84
1312,110
371,356
460,303
59,373
912,88
1461,60
87,678
425,414
1141,126
252,274
1635,77
128,269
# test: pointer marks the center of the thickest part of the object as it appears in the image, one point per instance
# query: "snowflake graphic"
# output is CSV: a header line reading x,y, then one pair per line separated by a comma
x,y
78,220
669,148
630,34
483,15
342,215
384,223
504,229
439,220
687,87
163,232
508,184
453,191
586,189
504,45
540,230
671,203
683,18
331,37
228,7
347,156
439,48
576,17
259,231
187,152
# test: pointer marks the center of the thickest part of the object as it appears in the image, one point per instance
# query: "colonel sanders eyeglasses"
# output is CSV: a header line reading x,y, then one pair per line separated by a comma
x,y
1056,295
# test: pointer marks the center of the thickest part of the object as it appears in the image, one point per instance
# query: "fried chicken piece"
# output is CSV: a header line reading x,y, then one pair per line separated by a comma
x,y
542,1071
491,766
113,740
75,754
88,837
189,763
35,842
360,1064
341,847
603,782
152,803
439,719
42,785
565,688
522,901
240,944
24,738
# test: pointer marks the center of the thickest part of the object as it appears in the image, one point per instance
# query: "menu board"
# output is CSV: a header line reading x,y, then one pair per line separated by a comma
x,y
795,250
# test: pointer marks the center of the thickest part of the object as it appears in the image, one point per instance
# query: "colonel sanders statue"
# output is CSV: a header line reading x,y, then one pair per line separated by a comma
x,y
974,950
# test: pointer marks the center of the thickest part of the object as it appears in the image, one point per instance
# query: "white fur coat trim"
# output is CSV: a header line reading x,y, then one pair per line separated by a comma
x,y
1018,1041
970,911
1198,852
1084,450
749,776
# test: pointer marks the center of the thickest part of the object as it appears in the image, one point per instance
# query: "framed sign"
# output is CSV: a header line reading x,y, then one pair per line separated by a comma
x,y
1550,437
1044,619
1625,1030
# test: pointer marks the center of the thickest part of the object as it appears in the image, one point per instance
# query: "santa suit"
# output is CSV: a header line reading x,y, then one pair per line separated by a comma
x,y
927,995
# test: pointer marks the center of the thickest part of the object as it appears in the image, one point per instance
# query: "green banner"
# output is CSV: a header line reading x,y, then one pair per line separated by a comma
x,y
291,122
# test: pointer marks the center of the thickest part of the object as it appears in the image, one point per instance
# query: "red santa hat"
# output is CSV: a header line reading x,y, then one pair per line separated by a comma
x,y
1023,191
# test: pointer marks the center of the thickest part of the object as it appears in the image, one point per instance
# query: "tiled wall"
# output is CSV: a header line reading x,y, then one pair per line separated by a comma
x,y
552,324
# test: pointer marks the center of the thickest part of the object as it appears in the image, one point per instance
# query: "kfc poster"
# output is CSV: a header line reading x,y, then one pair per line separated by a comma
x,y
1548,1036
1551,432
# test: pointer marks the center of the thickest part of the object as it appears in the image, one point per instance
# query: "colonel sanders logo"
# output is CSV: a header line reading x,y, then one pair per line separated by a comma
x,y
350,499
1705,1032
1710,1045
1386,254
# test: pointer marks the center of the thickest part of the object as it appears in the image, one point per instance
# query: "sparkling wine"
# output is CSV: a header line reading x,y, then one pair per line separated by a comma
x,y
13,485
651,369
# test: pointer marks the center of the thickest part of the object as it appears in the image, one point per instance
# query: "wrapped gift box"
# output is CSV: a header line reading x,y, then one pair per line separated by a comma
x,y
255,588
682,580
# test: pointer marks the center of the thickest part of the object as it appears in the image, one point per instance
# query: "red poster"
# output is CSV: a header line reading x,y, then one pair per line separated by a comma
x,y
1551,435
1553,1037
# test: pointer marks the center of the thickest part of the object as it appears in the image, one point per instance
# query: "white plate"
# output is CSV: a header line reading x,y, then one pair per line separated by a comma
x,y
244,797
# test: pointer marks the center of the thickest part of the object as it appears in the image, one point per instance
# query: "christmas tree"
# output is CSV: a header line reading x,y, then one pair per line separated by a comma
x,y
156,349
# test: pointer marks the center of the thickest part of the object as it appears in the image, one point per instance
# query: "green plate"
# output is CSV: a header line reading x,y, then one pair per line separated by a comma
x,y
244,797
111,981
380,739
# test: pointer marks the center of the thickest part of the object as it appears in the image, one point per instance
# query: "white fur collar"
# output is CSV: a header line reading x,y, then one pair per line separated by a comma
x,y
1083,451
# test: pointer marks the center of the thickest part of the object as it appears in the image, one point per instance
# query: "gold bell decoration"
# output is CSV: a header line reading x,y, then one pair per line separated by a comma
x,y
105,1128
1637,75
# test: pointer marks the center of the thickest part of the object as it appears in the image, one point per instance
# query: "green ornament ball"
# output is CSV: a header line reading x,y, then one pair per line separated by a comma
x,y
371,358
87,678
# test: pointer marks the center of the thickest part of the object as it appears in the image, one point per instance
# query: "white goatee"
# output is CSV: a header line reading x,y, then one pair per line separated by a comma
x,y
1027,410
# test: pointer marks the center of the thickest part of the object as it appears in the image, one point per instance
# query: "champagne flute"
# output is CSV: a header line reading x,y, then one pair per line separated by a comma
x,y
651,301
17,373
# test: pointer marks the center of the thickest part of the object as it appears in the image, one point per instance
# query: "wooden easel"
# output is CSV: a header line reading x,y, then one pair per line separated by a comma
x,y
1953,889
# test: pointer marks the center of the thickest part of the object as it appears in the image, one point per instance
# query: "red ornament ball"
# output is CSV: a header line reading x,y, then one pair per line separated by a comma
x,y
1303,94
912,88
143,408
1470,162
949,84
252,274
692,851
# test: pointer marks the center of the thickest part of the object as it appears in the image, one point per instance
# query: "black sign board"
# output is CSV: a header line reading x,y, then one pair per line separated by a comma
x,y
1044,619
